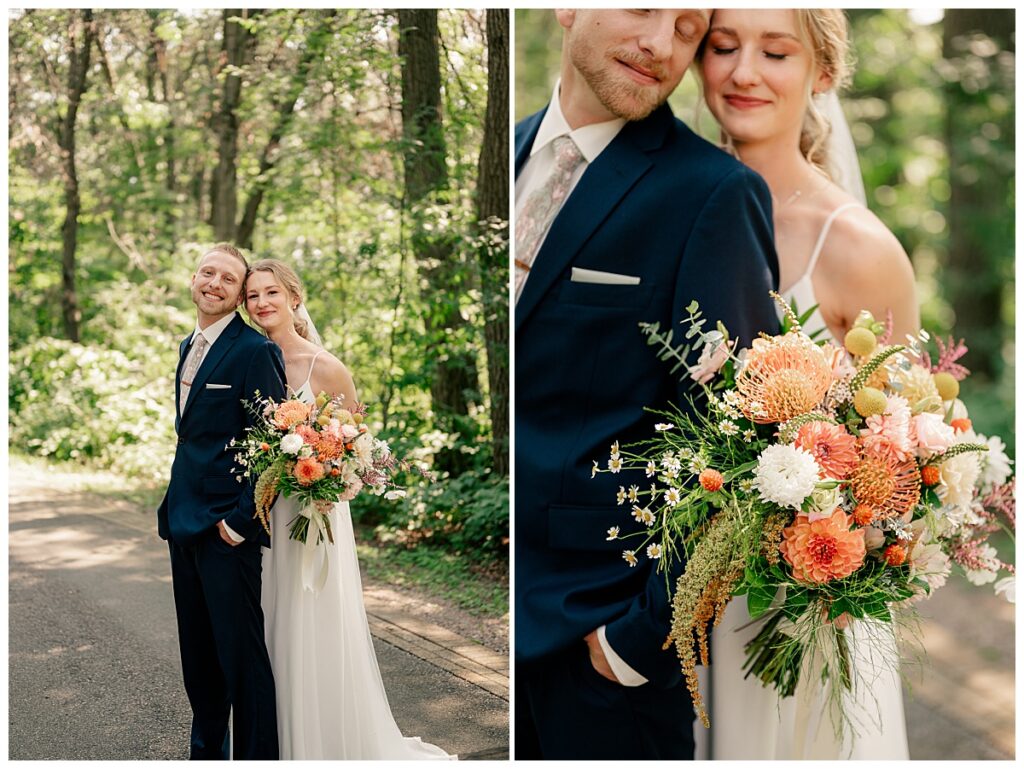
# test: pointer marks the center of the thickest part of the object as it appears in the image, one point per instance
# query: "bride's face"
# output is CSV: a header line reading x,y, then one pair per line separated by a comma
x,y
757,74
267,301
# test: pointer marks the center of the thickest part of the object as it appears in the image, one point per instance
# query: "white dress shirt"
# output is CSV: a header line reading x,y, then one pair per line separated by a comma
x,y
592,140
212,334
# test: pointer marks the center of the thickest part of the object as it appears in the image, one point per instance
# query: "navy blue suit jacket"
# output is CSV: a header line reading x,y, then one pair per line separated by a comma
x,y
691,222
202,489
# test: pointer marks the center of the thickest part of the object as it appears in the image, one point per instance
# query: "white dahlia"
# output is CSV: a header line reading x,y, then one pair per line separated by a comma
x,y
786,475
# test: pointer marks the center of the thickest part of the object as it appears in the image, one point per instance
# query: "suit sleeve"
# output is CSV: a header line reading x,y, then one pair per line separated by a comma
x,y
729,266
266,375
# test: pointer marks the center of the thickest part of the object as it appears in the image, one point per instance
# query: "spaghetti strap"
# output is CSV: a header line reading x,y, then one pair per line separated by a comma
x,y
824,234
310,374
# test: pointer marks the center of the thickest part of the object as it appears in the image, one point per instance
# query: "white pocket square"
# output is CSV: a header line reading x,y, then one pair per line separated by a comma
x,y
581,275
210,386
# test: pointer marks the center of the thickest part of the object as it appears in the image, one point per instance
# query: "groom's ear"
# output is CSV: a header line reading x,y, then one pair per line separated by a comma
x,y
565,16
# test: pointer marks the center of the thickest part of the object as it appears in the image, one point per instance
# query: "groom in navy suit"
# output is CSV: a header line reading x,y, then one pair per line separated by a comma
x,y
207,517
623,215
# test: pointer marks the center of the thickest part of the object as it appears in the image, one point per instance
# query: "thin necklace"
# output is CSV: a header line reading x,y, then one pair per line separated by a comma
x,y
795,195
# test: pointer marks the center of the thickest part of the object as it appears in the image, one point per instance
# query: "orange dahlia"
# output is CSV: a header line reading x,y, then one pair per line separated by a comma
x,y
308,470
783,377
289,414
832,447
328,447
890,486
823,550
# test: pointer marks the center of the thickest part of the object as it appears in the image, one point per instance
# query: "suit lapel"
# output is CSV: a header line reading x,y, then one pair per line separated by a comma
x,y
603,185
526,132
213,356
182,354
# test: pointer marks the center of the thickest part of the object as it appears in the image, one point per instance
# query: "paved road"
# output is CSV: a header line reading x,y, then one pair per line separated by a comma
x,y
94,667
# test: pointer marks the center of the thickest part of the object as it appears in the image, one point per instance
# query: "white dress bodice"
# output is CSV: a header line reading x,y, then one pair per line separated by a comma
x,y
802,290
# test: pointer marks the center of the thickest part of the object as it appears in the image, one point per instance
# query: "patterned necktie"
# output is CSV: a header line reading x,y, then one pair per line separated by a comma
x,y
542,206
188,371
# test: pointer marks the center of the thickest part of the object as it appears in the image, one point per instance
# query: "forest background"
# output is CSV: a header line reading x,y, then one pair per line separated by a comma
x,y
367,148
931,109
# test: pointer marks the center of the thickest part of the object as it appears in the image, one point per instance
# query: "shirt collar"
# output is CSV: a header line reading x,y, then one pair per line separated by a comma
x,y
214,330
591,139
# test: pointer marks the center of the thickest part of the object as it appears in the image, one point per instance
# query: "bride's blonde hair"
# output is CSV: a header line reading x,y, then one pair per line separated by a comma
x,y
290,282
825,32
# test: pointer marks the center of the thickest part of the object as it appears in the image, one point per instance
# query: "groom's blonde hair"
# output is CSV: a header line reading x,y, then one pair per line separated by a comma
x,y
230,250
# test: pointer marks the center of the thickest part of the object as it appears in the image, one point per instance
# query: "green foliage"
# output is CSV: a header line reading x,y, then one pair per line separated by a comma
x,y
465,513
81,402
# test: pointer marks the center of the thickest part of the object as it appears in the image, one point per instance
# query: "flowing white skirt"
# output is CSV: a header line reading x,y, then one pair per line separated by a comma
x,y
750,721
331,702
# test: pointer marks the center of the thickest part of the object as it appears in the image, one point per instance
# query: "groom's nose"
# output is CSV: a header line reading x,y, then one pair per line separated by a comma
x,y
657,35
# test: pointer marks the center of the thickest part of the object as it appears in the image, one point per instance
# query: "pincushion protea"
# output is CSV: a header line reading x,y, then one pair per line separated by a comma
x,y
890,486
783,377
823,550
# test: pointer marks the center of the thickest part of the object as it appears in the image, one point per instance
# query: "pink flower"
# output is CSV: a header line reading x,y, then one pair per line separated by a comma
x,y
890,432
932,434
711,360
842,368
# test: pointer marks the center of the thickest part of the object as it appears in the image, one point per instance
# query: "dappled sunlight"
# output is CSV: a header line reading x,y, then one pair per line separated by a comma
x,y
70,548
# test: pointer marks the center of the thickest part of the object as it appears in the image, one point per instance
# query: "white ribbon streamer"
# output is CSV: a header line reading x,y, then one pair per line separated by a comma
x,y
314,558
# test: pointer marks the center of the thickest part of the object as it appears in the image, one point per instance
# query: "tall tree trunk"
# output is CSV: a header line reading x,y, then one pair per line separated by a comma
x,y
236,52
492,221
981,183
452,368
315,45
78,81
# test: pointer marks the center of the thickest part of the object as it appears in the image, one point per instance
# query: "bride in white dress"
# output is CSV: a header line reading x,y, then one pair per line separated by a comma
x,y
331,702
765,74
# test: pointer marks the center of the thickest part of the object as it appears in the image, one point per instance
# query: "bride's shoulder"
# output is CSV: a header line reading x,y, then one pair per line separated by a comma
x,y
330,374
859,242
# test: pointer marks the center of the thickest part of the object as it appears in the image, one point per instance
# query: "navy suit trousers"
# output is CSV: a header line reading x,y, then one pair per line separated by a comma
x,y
223,654
566,710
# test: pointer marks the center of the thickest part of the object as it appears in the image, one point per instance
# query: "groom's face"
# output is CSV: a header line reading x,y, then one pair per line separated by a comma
x,y
217,285
630,60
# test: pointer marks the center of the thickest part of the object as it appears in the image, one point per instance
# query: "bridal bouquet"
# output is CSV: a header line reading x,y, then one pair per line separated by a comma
x,y
824,484
318,453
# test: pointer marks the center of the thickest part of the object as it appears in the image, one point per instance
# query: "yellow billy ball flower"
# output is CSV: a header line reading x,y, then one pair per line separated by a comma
x,y
947,385
868,401
860,341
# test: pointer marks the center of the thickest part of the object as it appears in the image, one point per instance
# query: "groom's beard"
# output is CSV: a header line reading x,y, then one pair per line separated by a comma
x,y
617,92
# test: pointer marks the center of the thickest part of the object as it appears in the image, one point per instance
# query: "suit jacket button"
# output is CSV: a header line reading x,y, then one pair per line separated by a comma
x,y
181,441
